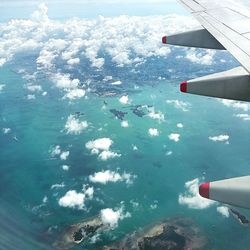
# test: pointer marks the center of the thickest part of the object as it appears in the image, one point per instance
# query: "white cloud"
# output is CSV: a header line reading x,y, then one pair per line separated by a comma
x,y
2,86
74,125
184,106
75,93
73,61
72,199
45,199
111,217
56,186
100,144
220,138
31,97
116,83
154,205
88,191
235,104
179,125
168,153
6,130
191,197
159,116
153,132
124,124
41,15
55,150
65,167
63,81
124,99
244,117
125,39
224,211
64,155
103,145
106,154
205,57
34,88
174,137
104,177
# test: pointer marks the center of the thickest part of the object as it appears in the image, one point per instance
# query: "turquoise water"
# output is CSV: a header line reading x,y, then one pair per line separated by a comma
x,y
28,171
36,52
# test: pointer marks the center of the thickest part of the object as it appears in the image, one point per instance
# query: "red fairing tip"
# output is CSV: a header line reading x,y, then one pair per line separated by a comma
x,y
164,39
204,190
183,87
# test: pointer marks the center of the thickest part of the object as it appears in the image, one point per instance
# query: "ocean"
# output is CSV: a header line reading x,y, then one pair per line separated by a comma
x,y
157,140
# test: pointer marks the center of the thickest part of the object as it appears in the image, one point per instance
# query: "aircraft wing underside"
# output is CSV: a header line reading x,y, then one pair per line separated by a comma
x,y
226,26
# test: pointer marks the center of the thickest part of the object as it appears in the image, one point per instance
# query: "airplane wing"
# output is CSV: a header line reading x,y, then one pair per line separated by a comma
x,y
226,25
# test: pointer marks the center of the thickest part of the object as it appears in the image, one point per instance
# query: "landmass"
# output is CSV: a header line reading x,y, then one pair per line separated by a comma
x,y
119,114
77,233
241,218
174,234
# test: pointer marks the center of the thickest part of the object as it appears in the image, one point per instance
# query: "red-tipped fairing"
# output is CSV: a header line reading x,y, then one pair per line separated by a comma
x,y
183,87
164,40
234,191
204,190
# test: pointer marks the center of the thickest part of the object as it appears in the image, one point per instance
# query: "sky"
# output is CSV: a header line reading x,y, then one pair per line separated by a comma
x,y
89,9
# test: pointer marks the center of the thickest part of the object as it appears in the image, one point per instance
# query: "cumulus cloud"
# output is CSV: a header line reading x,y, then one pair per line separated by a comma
x,y
56,150
124,99
124,124
99,144
244,117
179,125
64,81
64,155
174,137
219,138
65,167
111,217
191,197
2,86
159,116
73,61
224,211
113,35
72,199
68,84
40,15
184,106
74,125
168,153
103,145
6,130
56,186
104,177
75,94
206,57
116,83
235,104
34,88
153,132
31,97
106,154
